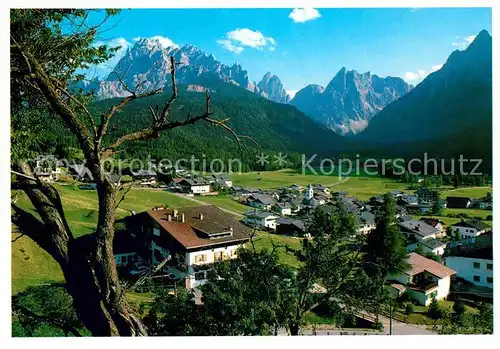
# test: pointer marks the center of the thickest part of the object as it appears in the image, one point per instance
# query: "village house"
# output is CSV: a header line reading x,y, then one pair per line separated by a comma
x,y
290,226
458,202
262,219
417,230
426,195
435,223
191,240
223,181
431,245
261,201
319,188
145,177
283,208
194,186
426,279
365,222
470,228
407,199
474,264
80,173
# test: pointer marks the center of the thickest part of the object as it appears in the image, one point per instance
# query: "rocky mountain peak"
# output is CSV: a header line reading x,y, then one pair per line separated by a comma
x,y
272,88
349,100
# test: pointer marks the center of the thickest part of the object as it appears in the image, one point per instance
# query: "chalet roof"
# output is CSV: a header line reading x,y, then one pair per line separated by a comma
x,y
365,217
433,222
196,232
432,243
418,227
144,173
420,264
405,218
292,221
263,198
472,223
194,182
259,214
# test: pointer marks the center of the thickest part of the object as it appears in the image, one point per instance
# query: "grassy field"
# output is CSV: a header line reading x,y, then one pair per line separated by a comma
x,y
271,180
31,265
366,187
419,316
472,192
224,201
265,240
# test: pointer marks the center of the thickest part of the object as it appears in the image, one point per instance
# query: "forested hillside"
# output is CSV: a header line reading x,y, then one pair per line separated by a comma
x,y
275,127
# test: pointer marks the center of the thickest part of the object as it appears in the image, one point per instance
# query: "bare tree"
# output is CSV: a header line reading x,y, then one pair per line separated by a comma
x,y
87,262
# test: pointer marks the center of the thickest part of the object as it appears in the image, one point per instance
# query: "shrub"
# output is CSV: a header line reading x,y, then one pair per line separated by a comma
x,y
434,310
378,326
409,309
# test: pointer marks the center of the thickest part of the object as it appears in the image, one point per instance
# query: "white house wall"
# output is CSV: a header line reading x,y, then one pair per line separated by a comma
x,y
465,269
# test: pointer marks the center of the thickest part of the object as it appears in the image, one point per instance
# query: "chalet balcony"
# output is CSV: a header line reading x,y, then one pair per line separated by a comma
x,y
423,285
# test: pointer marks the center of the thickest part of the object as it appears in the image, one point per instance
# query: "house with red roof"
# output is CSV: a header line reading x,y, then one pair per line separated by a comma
x,y
426,279
191,239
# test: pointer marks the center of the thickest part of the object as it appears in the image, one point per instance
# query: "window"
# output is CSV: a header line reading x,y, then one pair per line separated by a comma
x,y
156,232
489,280
200,258
123,259
218,255
476,265
489,266
477,278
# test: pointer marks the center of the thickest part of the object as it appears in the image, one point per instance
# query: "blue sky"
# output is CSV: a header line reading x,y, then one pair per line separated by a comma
x,y
305,46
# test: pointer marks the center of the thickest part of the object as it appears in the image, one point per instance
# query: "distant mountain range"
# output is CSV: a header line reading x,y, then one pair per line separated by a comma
x,y
147,62
449,113
350,100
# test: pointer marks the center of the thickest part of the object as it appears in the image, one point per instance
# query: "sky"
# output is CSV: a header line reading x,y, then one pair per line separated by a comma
x,y
305,45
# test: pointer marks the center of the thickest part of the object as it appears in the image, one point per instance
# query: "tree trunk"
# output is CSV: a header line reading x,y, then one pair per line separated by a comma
x,y
87,262
294,329
98,297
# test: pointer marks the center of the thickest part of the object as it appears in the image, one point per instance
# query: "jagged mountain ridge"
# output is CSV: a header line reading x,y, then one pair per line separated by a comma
x,y
350,100
147,63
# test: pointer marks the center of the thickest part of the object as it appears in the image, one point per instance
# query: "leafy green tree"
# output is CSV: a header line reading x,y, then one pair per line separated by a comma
x,y
386,251
175,315
49,47
45,311
256,295
459,310
457,236
419,250
409,309
434,309
438,207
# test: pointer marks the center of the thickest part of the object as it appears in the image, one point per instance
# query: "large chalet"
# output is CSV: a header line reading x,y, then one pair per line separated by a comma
x,y
191,239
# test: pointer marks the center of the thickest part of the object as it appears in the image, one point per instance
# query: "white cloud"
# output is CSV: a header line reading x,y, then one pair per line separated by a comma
x,y
417,76
103,69
302,15
414,76
228,45
236,40
462,42
470,38
163,40
436,67
292,93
